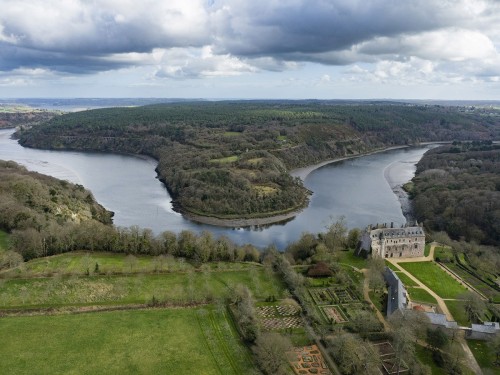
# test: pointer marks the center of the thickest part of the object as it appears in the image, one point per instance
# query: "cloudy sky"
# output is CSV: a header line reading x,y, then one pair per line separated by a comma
x,y
428,49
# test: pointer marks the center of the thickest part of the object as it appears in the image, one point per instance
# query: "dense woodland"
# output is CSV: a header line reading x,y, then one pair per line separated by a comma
x,y
231,159
457,190
456,194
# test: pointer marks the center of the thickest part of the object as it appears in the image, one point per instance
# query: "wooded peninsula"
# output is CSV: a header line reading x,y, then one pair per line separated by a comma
x,y
231,160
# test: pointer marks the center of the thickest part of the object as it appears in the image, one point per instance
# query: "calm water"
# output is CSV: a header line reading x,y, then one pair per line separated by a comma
x,y
359,189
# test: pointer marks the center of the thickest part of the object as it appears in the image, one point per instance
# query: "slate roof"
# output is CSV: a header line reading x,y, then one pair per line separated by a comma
x,y
396,299
486,327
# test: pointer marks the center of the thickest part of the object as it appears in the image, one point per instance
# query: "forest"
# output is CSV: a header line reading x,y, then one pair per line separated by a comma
x,y
457,190
45,216
232,159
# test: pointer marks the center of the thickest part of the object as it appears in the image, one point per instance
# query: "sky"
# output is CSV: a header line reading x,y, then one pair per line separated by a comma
x,y
296,49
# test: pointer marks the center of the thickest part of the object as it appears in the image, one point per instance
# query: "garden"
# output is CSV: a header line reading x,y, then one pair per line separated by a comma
x,y
308,360
279,317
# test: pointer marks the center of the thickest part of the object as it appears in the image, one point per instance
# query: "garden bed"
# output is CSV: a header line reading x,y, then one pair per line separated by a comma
x,y
308,360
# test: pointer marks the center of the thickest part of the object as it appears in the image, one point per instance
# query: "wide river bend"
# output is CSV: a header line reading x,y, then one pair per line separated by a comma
x,y
361,189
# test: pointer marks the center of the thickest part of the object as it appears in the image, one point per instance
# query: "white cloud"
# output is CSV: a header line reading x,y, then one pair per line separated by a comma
x,y
198,62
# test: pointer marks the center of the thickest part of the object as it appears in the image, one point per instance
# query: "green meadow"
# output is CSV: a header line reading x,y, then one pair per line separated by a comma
x,y
168,341
435,278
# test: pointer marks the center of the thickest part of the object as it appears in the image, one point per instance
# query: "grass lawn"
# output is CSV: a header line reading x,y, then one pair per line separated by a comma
x,y
175,287
180,341
391,266
458,312
424,355
3,240
77,263
348,257
421,295
405,279
444,253
427,249
435,278
484,356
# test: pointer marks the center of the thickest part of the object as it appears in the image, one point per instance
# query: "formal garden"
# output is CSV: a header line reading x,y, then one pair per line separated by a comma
x,y
283,316
308,360
337,300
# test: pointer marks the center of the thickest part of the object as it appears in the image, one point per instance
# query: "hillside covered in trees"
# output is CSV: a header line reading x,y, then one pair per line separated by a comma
x,y
231,159
457,190
33,205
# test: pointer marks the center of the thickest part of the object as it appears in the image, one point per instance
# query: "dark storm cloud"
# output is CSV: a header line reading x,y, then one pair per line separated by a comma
x,y
85,37
302,27
12,58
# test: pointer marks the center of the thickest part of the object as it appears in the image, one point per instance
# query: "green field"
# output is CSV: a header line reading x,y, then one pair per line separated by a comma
x,y
427,249
484,356
77,263
424,355
421,295
391,266
435,278
348,257
175,287
167,341
405,279
457,310
3,240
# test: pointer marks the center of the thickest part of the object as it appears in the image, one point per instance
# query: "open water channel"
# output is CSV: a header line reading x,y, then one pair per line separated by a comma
x,y
361,189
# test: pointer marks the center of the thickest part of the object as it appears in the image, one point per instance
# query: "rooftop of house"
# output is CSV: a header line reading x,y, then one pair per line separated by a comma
x,y
486,327
397,293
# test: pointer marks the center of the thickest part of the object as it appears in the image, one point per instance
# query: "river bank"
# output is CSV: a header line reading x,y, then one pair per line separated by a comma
x,y
129,186
302,173
243,223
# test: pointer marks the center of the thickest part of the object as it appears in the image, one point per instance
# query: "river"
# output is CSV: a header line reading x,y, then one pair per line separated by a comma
x,y
361,189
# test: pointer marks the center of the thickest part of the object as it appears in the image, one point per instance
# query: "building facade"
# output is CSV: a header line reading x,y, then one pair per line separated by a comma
x,y
405,242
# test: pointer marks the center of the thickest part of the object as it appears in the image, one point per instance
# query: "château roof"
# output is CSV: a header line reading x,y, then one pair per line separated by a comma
x,y
398,232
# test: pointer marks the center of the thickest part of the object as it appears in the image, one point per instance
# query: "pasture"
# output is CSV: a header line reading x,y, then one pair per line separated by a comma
x,y
421,295
84,263
181,287
180,341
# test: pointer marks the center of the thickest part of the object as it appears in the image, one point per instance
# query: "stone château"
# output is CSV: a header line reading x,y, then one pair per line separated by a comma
x,y
390,242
